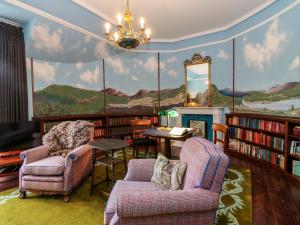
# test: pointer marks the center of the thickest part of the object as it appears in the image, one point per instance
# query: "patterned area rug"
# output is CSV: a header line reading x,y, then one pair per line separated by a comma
x,y
235,204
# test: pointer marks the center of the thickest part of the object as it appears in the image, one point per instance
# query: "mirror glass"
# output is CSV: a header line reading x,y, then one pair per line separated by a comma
x,y
197,81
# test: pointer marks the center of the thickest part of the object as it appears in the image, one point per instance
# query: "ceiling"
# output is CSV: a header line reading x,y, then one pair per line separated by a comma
x,y
174,20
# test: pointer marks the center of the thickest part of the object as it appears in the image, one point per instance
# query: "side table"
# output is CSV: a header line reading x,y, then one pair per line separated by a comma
x,y
108,147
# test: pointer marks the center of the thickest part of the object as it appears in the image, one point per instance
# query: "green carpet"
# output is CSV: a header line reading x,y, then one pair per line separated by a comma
x,y
84,209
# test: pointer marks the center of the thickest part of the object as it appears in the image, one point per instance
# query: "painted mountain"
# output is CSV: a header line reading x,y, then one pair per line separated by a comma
x,y
280,99
64,99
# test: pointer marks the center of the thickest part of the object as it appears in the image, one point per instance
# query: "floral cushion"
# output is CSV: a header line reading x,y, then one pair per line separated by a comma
x,y
169,173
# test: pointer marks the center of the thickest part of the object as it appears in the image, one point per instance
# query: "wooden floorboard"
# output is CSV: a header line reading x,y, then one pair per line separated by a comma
x,y
275,199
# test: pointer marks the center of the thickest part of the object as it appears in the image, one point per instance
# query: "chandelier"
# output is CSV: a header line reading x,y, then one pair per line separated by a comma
x,y
125,36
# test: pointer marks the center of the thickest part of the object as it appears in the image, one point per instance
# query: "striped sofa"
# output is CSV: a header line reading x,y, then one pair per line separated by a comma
x,y
135,200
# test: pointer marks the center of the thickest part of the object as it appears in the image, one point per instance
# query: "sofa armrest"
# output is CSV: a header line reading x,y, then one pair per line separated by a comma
x,y
140,170
35,154
136,204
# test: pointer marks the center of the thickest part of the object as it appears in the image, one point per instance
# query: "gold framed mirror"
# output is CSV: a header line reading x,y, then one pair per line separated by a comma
x,y
198,81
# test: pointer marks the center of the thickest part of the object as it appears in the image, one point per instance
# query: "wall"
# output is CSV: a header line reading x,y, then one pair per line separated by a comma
x,y
266,65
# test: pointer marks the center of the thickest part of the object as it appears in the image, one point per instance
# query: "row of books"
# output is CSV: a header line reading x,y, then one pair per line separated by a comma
x,y
115,131
98,123
276,159
296,131
117,121
99,133
273,126
296,167
257,138
295,147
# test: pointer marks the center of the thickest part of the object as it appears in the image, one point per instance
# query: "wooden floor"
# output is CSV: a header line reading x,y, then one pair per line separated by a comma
x,y
275,199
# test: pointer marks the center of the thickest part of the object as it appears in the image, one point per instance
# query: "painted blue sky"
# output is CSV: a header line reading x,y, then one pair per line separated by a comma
x,y
81,75
269,55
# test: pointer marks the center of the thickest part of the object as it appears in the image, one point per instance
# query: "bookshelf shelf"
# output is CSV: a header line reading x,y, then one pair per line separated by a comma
x,y
249,134
261,146
106,125
260,130
295,156
294,137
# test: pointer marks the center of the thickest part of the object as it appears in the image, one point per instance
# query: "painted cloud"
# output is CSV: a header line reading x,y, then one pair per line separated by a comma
x,y
45,39
295,63
222,54
90,76
258,55
44,71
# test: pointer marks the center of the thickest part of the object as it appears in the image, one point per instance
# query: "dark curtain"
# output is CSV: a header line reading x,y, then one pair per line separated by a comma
x,y
13,79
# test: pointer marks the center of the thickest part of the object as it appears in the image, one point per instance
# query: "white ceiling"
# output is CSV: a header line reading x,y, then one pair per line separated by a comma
x,y
173,20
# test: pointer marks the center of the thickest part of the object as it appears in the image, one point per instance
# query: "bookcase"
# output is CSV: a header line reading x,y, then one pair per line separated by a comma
x,y
106,125
265,139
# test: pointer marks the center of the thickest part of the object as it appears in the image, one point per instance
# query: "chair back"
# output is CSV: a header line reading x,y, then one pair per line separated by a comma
x,y
220,135
139,126
206,164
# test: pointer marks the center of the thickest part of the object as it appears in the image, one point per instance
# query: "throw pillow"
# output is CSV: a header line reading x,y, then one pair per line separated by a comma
x,y
67,136
168,173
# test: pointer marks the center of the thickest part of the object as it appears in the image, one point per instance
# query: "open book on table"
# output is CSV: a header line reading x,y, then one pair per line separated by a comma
x,y
179,131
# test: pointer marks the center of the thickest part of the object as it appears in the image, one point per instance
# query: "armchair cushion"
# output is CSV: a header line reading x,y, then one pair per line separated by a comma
x,y
53,165
128,186
143,203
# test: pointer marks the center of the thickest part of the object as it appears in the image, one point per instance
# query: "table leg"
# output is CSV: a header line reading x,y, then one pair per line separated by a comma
x,y
168,148
93,170
124,157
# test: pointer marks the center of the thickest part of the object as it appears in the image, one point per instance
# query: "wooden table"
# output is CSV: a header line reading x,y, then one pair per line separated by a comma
x,y
108,147
155,133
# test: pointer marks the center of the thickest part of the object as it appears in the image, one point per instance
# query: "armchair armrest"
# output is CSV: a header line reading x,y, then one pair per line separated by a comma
x,y
78,152
136,204
34,154
78,165
140,170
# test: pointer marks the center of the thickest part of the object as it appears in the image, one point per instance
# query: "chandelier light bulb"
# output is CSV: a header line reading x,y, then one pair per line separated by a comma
x,y
107,27
142,21
116,36
148,31
119,18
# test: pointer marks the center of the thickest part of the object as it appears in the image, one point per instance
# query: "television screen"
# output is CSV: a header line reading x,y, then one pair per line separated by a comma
x,y
19,135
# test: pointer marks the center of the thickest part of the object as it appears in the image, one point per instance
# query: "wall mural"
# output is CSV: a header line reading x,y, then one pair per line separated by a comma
x,y
267,71
268,67
65,88
131,82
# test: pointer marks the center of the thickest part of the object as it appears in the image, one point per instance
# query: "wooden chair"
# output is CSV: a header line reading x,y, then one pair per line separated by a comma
x,y
220,129
139,140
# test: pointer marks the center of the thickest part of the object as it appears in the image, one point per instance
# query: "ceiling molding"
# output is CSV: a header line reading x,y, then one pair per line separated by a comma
x,y
84,31
106,17
9,22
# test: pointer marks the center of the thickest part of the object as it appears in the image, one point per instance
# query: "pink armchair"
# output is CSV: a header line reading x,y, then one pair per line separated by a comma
x,y
135,200
46,174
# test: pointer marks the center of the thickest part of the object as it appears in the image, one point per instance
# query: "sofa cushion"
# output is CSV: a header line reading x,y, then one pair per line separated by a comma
x,y
53,165
122,185
201,165
43,178
168,173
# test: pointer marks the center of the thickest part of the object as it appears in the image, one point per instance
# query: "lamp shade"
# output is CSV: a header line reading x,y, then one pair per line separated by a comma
x,y
172,113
